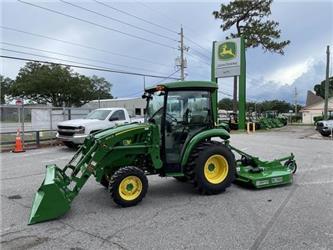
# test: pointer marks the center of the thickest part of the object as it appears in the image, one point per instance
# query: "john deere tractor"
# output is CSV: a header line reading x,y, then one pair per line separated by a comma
x,y
176,140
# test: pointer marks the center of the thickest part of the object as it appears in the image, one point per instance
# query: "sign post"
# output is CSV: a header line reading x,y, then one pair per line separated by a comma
x,y
228,61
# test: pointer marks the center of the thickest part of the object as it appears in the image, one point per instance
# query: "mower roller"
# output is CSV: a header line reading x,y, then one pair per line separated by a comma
x,y
175,140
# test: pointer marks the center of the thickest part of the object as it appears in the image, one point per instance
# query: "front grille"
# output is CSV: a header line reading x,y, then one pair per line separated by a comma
x,y
66,133
66,127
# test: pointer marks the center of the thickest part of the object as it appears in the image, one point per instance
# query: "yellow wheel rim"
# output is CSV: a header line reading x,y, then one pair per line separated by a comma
x,y
130,188
216,169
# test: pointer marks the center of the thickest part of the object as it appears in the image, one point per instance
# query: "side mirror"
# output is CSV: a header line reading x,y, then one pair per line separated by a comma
x,y
113,119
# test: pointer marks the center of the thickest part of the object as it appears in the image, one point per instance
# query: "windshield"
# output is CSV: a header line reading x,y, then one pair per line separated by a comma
x,y
155,105
98,114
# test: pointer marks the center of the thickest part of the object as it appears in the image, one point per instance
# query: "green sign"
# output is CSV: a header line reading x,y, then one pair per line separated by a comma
x,y
227,51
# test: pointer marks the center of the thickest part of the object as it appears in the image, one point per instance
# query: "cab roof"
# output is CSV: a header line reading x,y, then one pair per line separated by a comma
x,y
185,85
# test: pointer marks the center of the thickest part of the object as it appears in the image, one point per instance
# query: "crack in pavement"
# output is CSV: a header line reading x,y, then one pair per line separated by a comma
x,y
36,240
94,235
22,176
264,232
15,201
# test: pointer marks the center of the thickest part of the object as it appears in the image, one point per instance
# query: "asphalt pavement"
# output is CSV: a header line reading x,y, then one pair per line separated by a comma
x,y
173,215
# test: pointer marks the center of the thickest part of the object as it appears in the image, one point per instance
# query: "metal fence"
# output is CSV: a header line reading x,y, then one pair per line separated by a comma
x,y
37,124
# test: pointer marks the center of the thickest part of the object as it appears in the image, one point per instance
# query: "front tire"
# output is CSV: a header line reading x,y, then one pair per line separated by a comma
x,y
213,168
325,133
71,145
128,186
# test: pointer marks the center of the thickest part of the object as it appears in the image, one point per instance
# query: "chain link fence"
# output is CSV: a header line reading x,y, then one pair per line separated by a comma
x,y
37,124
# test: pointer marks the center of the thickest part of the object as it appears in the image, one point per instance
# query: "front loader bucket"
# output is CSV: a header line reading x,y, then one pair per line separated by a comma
x,y
52,199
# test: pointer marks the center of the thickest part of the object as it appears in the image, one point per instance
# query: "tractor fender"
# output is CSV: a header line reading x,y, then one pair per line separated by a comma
x,y
188,147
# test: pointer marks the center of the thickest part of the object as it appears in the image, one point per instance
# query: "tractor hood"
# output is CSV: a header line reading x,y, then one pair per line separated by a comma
x,y
122,130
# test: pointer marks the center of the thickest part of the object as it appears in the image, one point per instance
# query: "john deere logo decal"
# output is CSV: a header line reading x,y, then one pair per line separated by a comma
x,y
227,51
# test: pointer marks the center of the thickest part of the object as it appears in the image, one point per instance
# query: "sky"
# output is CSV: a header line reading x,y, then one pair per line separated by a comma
x,y
151,48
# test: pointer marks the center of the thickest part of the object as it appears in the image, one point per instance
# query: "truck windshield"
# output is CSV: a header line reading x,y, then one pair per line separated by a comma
x,y
98,114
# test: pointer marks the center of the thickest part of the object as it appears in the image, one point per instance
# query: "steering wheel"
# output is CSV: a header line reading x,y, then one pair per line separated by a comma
x,y
171,117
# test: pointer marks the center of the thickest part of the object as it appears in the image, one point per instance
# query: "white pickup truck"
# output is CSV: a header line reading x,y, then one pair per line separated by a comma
x,y
73,132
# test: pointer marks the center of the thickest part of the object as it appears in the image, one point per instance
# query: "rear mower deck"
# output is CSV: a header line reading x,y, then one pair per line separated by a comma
x,y
263,174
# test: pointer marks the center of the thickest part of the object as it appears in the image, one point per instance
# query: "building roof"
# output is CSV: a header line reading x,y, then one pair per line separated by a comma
x,y
319,105
312,98
185,84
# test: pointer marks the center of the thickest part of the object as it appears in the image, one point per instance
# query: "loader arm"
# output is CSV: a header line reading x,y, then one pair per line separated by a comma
x,y
101,154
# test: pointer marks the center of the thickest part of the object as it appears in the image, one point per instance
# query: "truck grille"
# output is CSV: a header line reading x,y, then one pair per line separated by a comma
x,y
67,127
65,133
67,130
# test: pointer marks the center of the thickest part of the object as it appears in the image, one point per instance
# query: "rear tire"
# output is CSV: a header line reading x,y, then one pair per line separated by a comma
x,y
128,186
212,167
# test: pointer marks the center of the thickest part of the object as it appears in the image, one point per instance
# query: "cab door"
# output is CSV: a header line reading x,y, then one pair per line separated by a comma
x,y
187,113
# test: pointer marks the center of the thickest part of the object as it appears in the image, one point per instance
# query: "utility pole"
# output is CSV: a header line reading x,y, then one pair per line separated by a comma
x,y
327,82
181,61
295,98
144,83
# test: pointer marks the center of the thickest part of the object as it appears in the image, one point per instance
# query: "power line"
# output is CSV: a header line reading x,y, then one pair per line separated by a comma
x,y
167,17
197,57
119,21
77,57
190,40
168,77
85,67
99,25
139,18
82,46
200,54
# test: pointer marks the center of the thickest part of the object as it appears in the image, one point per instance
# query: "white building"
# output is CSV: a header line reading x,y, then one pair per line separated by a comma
x,y
135,106
314,107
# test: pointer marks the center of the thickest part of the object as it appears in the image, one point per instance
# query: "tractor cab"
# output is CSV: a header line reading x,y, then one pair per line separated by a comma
x,y
180,111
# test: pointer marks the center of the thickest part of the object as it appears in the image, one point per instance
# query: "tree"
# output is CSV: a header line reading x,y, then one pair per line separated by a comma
x,y
56,84
102,87
320,88
250,18
225,103
5,86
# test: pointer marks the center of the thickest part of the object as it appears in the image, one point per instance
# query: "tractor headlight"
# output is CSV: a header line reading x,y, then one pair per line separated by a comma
x,y
80,130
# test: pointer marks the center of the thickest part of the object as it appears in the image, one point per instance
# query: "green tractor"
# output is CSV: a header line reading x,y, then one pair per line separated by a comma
x,y
176,140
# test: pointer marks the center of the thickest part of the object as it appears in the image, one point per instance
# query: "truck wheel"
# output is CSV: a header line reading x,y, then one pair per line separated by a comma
x,y
70,145
213,167
128,186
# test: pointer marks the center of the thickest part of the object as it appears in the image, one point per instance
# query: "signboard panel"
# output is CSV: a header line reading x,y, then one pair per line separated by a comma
x,y
227,58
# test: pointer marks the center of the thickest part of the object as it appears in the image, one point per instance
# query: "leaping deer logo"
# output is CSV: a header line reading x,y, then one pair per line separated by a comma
x,y
225,51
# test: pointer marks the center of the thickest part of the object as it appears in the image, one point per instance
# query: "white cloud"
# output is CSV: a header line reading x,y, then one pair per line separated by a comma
x,y
287,75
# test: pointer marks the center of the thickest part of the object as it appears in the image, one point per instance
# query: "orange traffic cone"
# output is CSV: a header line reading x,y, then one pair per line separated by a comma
x,y
18,143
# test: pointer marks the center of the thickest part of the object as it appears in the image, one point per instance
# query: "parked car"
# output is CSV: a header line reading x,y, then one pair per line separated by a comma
x,y
73,132
325,127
